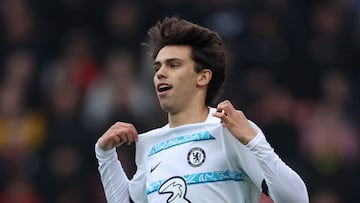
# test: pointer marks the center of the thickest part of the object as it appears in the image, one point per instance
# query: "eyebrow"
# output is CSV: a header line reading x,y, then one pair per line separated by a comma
x,y
169,60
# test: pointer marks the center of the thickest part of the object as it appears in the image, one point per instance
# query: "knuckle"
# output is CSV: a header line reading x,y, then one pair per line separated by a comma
x,y
117,123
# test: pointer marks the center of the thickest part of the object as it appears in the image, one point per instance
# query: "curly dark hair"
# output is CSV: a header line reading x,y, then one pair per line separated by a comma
x,y
207,49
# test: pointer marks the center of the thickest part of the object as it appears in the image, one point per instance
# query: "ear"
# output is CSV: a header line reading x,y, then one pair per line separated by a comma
x,y
204,77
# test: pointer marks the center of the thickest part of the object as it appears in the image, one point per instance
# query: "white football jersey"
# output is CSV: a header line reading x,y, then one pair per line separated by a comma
x,y
200,162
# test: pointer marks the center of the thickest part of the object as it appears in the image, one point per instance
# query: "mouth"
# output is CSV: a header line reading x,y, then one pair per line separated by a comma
x,y
163,87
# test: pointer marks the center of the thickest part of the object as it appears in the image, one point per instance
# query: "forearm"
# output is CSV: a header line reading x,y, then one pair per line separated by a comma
x,y
113,177
284,184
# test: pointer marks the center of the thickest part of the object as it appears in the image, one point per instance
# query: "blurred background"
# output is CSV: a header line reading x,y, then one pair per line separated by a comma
x,y
71,68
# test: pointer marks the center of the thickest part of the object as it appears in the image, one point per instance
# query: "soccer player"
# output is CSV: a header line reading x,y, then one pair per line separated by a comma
x,y
203,154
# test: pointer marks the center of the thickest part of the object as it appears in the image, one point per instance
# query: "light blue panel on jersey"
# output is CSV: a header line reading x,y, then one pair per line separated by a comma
x,y
199,136
206,177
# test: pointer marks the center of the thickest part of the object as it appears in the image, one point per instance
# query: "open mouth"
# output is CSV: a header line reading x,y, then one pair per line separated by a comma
x,y
163,87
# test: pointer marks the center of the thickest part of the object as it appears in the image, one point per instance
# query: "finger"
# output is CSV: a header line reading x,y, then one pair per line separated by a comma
x,y
217,114
128,130
223,111
219,111
127,135
131,130
222,116
228,108
225,105
120,143
121,138
220,107
131,137
113,140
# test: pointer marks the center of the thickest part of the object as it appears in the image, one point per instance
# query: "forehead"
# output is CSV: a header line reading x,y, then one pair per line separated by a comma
x,y
181,52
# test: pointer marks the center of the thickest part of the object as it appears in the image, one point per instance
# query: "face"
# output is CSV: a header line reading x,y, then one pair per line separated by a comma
x,y
175,78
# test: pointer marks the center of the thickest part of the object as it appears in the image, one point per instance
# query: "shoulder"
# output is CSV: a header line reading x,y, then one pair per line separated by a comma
x,y
211,118
154,131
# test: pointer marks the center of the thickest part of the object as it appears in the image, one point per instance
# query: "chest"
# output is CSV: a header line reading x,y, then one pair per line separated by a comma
x,y
194,158
183,165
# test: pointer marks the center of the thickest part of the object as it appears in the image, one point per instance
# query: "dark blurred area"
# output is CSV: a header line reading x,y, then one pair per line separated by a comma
x,y
71,68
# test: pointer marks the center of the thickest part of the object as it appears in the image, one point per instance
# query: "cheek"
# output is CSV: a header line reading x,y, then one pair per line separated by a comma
x,y
187,84
154,81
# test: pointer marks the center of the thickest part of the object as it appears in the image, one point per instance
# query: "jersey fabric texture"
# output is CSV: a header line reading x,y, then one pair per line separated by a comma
x,y
201,162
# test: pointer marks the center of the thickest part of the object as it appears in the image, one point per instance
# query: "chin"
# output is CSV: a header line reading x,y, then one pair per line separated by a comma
x,y
167,108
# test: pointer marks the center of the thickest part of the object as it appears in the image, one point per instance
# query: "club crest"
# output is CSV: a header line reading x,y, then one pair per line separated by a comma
x,y
196,157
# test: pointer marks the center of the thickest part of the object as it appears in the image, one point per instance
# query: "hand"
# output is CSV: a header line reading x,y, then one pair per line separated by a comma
x,y
117,135
235,121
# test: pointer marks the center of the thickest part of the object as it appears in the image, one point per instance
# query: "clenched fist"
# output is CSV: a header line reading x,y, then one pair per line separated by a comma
x,y
118,134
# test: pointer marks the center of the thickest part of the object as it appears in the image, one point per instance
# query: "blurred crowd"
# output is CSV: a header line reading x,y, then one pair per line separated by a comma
x,y
71,68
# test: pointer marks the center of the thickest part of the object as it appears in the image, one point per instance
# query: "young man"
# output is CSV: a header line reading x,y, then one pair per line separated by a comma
x,y
203,154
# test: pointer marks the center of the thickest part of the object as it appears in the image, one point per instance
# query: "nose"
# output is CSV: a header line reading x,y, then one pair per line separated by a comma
x,y
161,72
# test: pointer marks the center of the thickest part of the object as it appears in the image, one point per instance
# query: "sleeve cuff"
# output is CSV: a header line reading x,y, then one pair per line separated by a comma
x,y
255,141
103,154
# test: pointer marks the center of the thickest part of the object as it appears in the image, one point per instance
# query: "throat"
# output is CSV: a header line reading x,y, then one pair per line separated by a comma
x,y
189,117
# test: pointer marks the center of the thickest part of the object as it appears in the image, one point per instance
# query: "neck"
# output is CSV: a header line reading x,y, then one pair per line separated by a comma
x,y
189,116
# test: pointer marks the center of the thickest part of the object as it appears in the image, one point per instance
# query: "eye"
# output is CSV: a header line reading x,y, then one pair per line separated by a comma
x,y
156,67
174,65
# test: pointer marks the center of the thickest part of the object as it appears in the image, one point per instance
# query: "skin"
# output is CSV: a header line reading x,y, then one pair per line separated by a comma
x,y
184,102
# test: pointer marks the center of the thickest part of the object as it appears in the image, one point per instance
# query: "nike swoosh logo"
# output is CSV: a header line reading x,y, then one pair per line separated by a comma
x,y
154,167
